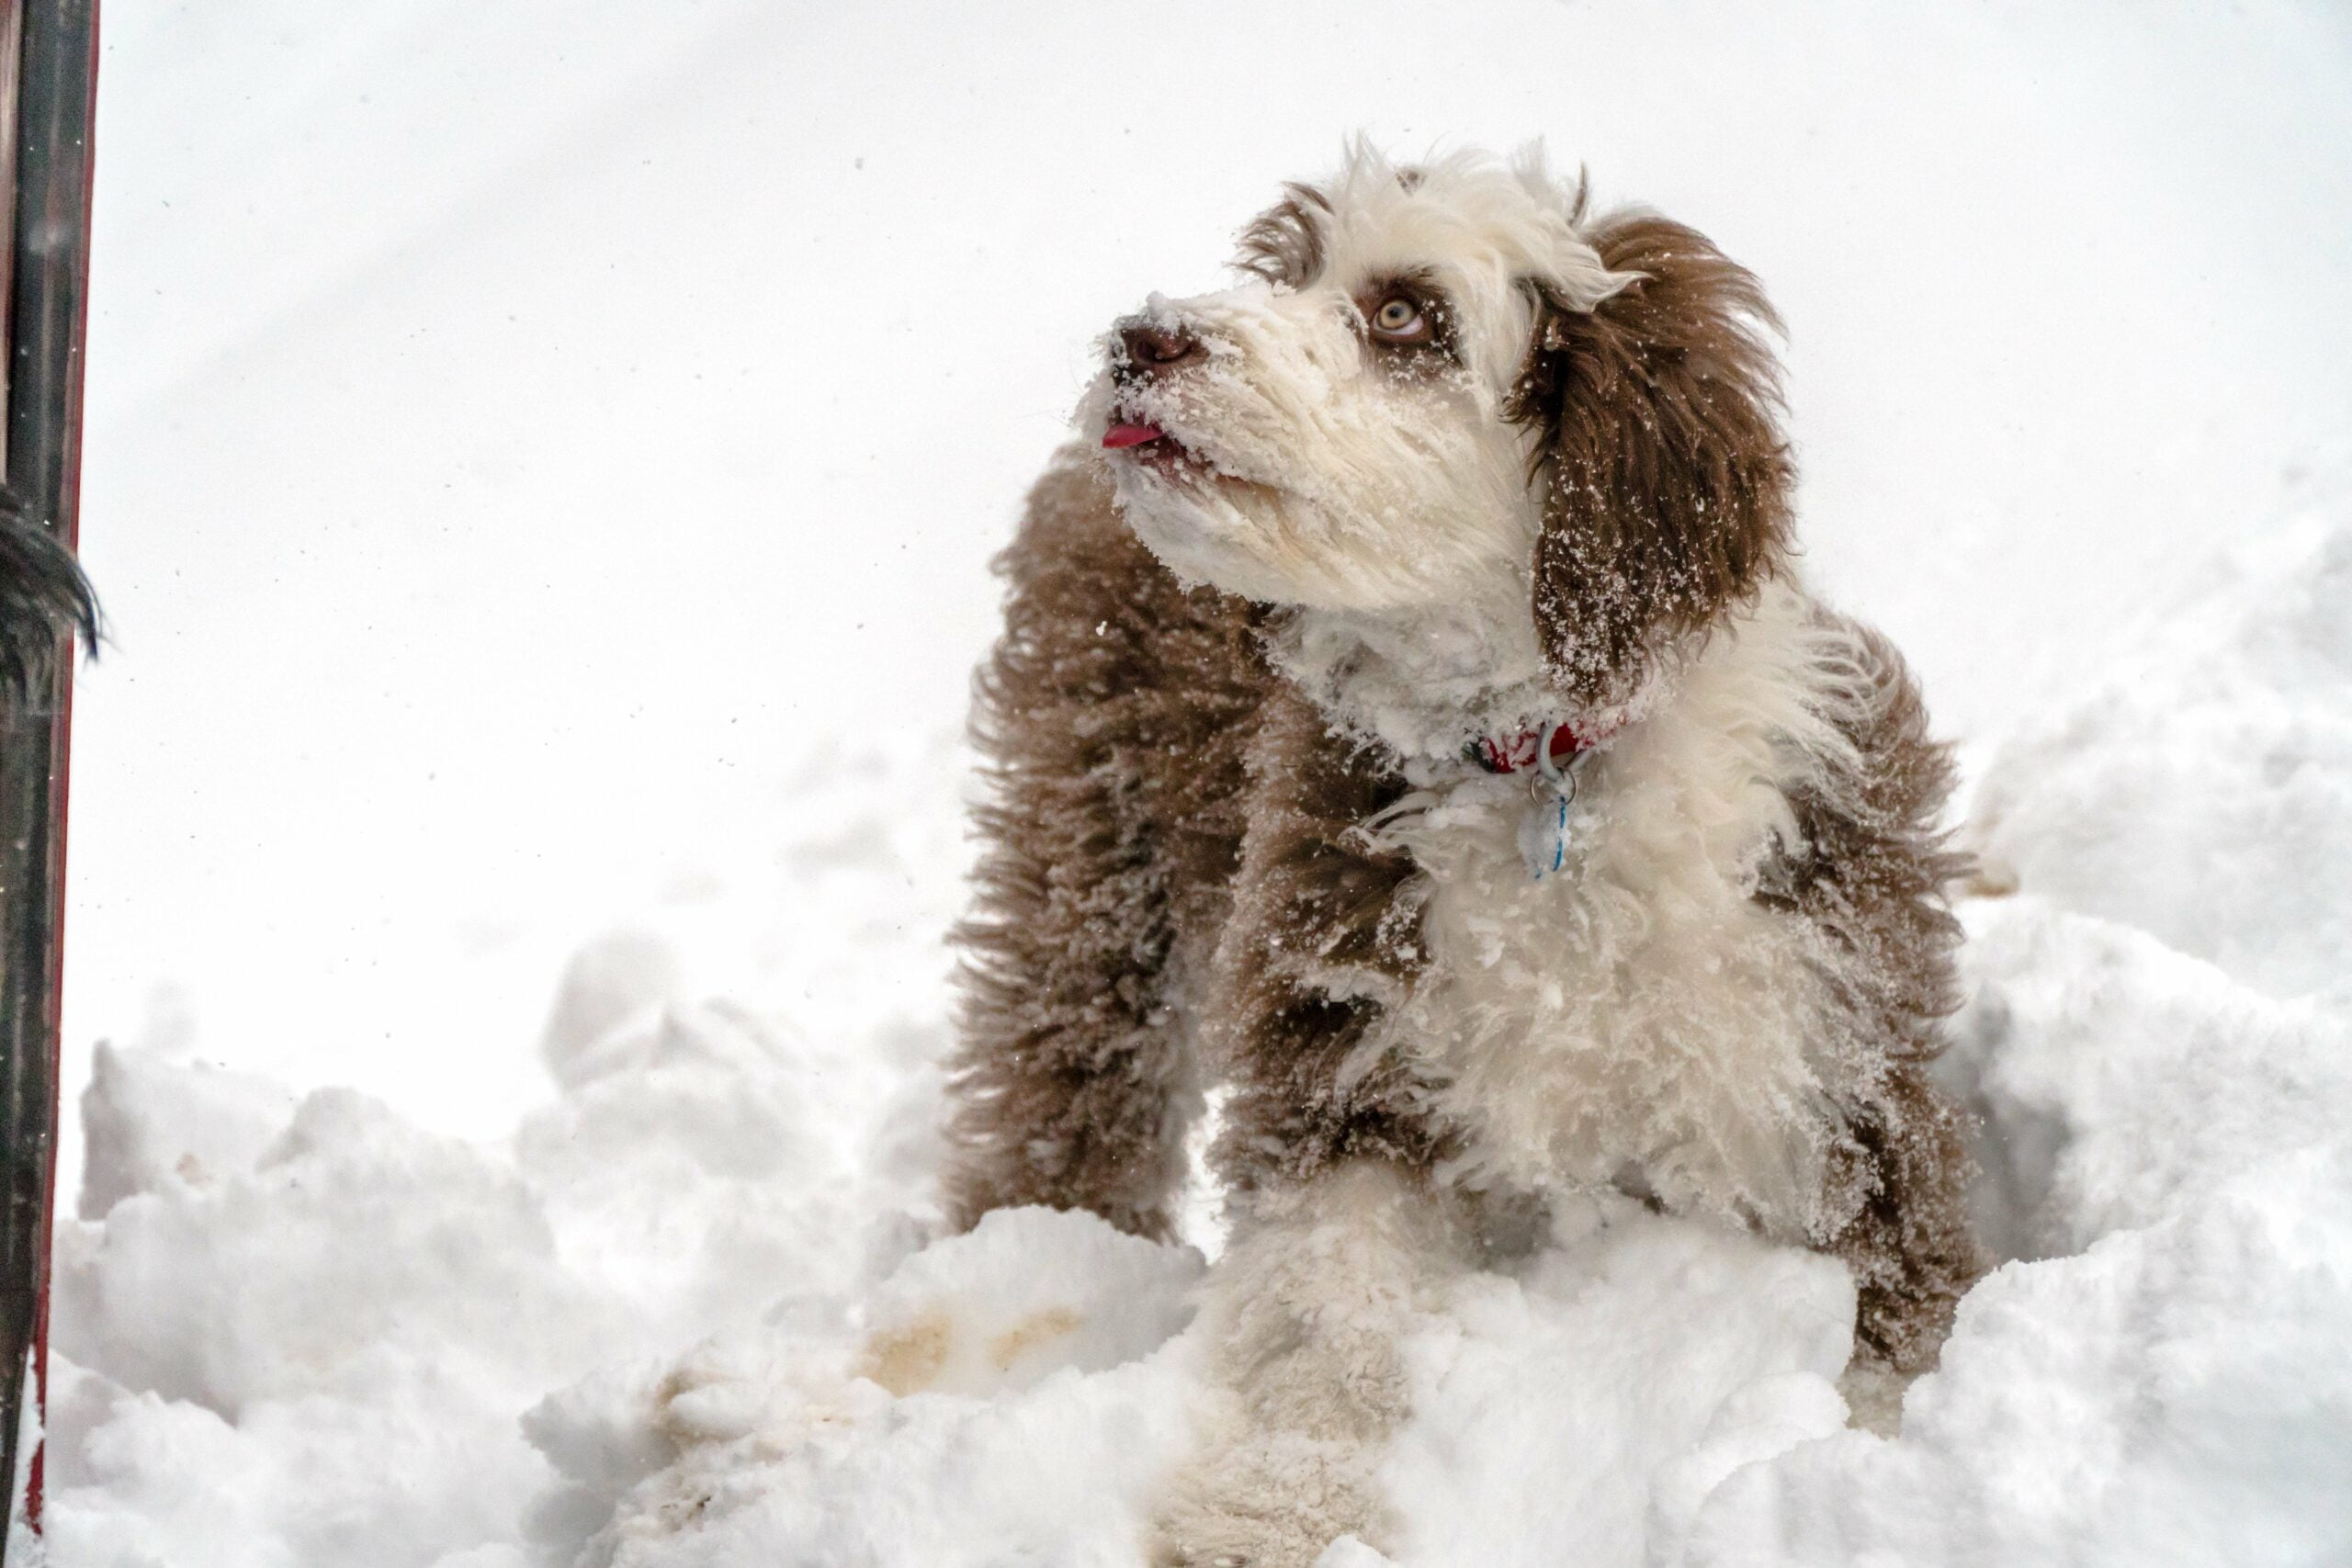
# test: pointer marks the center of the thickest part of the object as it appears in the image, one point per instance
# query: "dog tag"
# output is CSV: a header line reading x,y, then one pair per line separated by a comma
x,y
1544,836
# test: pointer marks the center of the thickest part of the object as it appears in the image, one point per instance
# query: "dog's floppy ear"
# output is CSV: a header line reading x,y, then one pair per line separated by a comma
x,y
1667,476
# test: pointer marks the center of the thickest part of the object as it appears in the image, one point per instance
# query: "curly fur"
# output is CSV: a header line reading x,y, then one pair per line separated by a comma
x,y
1232,833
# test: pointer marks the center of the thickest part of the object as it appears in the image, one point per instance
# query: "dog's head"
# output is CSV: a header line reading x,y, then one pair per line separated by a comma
x,y
1443,383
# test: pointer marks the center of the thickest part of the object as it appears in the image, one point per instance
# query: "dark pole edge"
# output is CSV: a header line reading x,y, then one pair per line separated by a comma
x,y
51,232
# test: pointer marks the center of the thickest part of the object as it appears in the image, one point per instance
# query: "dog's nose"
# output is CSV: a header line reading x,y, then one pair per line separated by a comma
x,y
1156,347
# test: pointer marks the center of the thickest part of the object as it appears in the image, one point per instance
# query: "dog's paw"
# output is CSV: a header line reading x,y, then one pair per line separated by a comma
x,y
1274,1500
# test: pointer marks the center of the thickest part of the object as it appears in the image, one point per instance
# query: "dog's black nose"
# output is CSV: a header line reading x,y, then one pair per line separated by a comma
x,y
1156,347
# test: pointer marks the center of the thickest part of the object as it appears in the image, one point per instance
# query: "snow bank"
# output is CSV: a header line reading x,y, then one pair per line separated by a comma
x,y
2166,1380
317,1354
2202,792
311,1333
315,1357
301,1332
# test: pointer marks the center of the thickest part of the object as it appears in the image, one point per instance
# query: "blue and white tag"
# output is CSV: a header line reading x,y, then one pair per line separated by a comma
x,y
1544,836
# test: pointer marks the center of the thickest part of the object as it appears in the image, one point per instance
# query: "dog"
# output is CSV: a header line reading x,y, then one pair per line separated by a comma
x,y
1410,716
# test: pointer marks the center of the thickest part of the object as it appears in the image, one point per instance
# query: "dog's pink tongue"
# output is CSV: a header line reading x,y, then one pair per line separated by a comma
x,y
1120,435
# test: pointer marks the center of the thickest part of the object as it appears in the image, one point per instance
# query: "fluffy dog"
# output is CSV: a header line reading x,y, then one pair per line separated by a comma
x,y
1410,716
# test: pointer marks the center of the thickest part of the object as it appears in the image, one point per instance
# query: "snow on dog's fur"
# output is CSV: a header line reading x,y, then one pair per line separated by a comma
x,y
1456,463
1644,1007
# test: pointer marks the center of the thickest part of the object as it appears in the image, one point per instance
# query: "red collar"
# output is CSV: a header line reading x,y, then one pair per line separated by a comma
x,y
1555,744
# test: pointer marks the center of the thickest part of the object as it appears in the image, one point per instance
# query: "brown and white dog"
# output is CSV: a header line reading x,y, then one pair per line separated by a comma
x,y
1410,716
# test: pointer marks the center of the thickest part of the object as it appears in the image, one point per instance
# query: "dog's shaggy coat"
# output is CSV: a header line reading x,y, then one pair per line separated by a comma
x,y
1457,464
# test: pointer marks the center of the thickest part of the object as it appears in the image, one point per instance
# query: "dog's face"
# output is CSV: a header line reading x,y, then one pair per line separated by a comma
x,y
1436,385
1334,429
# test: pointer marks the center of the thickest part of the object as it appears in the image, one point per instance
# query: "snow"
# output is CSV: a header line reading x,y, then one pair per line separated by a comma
x,y
304,1331
691,1311
540,464
2198,795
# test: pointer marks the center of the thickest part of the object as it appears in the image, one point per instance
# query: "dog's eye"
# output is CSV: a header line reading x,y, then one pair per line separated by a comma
x,y
1400,318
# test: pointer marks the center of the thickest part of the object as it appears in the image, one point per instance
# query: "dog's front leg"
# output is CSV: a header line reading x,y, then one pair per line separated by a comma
x,y
1305,1311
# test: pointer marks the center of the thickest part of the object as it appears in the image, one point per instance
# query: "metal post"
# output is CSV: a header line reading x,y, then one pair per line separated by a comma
x,y
55,85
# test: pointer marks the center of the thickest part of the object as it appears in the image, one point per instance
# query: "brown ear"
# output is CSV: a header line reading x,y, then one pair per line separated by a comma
x,y
1667,476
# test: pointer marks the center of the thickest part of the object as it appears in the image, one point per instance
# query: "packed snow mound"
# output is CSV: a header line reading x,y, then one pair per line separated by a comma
x,y
315,1357
697,1310
2121,1080
317,1353
146,1129
2160,1377
1025,1293
2202,792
